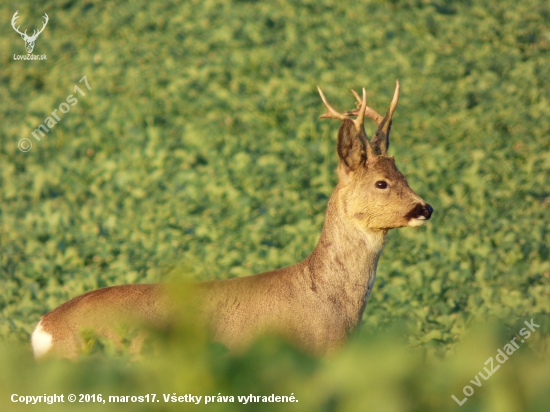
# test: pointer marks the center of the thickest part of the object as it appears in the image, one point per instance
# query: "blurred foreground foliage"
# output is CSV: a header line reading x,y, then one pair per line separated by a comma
x,y
199,145
375,372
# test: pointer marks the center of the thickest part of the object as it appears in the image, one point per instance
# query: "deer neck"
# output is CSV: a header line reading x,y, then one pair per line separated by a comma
x,y
342,267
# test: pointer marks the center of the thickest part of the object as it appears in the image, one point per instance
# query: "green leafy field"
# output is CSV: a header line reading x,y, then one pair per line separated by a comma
x,y
198,154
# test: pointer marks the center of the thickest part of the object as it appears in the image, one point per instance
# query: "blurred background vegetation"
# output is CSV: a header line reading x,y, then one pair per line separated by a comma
x,y
198,154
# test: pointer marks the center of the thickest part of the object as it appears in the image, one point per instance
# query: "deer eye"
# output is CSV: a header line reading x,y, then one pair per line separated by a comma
x,y
381,184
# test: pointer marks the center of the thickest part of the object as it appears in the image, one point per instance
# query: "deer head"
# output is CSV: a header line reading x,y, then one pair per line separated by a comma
x,y
29,40
374,193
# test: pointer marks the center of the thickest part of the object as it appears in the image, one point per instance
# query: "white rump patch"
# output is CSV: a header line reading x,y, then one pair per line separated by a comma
x,y
417,221
41,341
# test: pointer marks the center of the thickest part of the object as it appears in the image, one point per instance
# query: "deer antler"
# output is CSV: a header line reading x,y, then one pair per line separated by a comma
x,y
36,33
14,18
358,122
369,111
383,123
331,113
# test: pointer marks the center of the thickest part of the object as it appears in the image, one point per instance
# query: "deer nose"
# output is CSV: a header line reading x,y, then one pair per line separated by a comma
x,y
427,211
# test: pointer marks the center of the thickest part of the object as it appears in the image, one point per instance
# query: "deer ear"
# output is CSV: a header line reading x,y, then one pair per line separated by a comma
x,y
350,148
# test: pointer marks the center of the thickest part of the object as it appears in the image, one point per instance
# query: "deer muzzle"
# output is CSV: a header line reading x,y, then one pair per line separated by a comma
x,y
419,214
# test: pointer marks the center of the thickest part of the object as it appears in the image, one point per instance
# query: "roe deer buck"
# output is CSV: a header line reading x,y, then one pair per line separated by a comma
x,y
314,303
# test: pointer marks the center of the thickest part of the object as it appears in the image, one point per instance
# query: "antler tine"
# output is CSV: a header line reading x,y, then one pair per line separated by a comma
x,y
394,99
331,113
13,22
369,111
359,121
37,32
382,137
361,115
46,20
356,97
